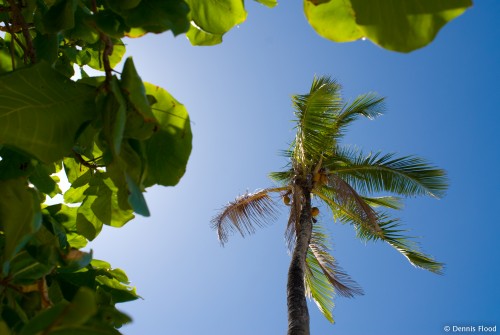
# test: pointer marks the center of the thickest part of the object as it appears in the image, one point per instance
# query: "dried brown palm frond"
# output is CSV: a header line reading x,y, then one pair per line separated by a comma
x,y
293,218
245,213
344,285
346,197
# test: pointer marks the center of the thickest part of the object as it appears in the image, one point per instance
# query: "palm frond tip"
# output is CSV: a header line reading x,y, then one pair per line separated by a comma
x,y
245,213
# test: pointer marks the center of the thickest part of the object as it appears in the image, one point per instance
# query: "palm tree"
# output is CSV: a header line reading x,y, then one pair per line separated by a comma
x,y
348,182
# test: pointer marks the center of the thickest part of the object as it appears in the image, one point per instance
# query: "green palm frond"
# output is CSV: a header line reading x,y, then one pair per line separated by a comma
x,y
386,201
372,173
315,113
392,233
323,276
282,177
244,214
367,105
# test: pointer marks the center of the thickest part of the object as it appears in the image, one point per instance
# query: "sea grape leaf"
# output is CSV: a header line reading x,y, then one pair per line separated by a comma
x,y
46,46
134,89
87,223
157,16
95,51
84,28
24,269
213,18
60,16
197,36
41,178
268,3
136,198
110,23
20,216
81,308
168,149
65,315
119,291
42,110
44,319
4,329
392,24
114,117
14,164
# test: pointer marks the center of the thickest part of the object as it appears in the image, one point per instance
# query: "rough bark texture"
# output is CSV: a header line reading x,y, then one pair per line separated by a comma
x,y
298,314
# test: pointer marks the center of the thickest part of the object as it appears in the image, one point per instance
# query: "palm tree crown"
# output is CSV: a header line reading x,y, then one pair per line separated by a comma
x,y
348,181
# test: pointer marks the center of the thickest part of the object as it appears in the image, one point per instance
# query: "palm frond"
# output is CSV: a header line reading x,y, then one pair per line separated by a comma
x,y
372,173
244,214
315,113
323,276
282,177
385,201
392,233
340,196
293,218
367,105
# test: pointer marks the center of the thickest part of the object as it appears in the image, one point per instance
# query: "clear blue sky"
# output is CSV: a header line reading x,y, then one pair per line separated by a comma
x,y
442,105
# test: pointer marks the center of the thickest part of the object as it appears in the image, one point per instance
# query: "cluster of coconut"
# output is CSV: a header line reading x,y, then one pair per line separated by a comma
x,y
287,201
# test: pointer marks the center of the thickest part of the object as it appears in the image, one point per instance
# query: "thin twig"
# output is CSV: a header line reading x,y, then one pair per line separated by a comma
x,y
19,20
85,163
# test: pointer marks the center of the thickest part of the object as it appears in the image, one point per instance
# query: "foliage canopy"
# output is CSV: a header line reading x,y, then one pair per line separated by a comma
x,y
113,135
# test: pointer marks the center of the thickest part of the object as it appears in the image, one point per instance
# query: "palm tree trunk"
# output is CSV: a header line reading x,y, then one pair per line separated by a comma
x,y
298,314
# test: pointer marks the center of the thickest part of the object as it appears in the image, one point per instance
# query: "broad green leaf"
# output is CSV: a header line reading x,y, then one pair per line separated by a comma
x,y
333,20
60,16
63,214
4,328
197,36
81,308
14,164
42,110
268,3
119,291
120,5
213,18
46,46
76,240
95,51
87,224
42,180
19,216
169,148
100,264
24,269
44,320
113,316
84,28
94,329
6,60
74,195
114,117
64,314
395,25
75,170
133,88
157,16
110,23
120,275
136,198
